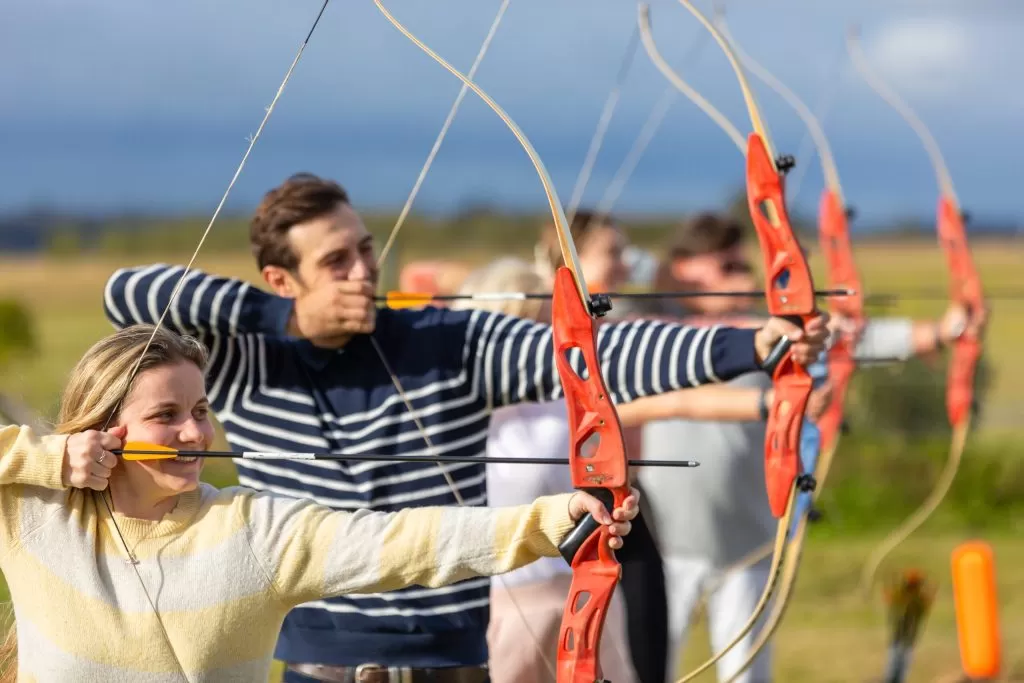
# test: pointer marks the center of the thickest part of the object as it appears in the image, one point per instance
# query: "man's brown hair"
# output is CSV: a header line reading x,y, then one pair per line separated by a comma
x,y
706,233
584,223
302,197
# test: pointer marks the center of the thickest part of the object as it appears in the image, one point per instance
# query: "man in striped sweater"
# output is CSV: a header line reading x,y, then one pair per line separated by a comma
x,y
316,366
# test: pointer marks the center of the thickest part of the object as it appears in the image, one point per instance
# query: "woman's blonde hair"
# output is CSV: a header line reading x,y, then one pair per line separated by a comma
x,y
102,378
506,275
94,391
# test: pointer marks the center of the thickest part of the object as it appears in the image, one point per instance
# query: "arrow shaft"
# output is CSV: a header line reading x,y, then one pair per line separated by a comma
x,y
406,297
260,455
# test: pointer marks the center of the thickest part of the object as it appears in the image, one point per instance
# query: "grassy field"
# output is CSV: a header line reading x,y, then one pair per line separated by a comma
x,y
66,295
828,635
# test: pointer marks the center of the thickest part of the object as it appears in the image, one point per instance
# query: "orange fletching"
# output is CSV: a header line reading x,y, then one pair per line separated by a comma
x,y
408,299
166,452
977,611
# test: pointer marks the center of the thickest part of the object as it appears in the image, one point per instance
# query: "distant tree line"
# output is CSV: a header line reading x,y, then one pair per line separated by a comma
x,y
476,224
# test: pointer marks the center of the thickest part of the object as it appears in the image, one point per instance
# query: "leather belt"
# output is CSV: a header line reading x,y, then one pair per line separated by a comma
x,y
374,673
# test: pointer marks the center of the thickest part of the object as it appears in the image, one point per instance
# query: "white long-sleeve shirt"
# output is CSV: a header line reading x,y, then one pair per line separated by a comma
x,y
720,511
529,430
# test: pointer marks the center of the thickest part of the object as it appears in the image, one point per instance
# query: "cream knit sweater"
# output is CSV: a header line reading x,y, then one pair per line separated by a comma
x,y
222,569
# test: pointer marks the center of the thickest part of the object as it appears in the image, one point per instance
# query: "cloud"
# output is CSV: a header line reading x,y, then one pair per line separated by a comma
x,y
928,56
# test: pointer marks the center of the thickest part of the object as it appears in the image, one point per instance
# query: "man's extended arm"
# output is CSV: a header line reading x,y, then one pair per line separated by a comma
x,y
512,360
207,305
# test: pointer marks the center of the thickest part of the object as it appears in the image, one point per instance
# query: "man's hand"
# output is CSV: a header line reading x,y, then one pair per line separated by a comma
x,y
952,324
618,522
88,461
959,320
807,344
847,329
329,315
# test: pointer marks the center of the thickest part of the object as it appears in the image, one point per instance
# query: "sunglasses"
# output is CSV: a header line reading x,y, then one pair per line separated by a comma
x,y
737,267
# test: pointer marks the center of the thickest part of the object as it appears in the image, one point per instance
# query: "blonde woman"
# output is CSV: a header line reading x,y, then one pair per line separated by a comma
x,y
518,647
137,571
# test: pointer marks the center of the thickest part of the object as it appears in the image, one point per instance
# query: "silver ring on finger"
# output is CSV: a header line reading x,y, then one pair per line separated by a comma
x,y
102,456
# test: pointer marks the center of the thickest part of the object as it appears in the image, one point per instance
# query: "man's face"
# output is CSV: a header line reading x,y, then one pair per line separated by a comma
x,y
726,270
601,258
331,248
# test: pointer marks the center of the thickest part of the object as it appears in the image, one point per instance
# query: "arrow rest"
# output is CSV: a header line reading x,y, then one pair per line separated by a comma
x,y
600,305
806,483
785,163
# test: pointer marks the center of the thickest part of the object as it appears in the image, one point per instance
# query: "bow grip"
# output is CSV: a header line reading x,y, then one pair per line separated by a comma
x,y
781,348
960,380
570,546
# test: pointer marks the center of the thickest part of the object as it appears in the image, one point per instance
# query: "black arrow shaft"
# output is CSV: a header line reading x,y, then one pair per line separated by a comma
x,y
401,297
259,455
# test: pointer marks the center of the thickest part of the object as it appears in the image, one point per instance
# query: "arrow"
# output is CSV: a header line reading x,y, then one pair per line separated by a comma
x,y
141,450
413,299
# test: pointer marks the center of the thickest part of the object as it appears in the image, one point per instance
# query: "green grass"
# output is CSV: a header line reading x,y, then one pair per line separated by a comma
x,y
831,634
827,634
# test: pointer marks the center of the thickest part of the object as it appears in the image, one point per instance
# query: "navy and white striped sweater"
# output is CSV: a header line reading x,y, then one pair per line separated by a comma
x,y
272,392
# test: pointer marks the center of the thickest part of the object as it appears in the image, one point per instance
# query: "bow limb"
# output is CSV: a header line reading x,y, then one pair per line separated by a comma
x,y
597,451
644,24
965,289
175,293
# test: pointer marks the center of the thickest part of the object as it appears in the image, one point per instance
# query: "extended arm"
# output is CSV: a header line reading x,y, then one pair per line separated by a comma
x,y
312,552
708,403
512,360
899,339
207,306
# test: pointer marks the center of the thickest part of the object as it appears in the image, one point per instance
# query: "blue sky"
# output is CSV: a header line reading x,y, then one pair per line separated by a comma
x,y
109,105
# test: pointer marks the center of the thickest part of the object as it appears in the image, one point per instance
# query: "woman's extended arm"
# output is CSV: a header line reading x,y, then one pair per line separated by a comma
x,y
311,552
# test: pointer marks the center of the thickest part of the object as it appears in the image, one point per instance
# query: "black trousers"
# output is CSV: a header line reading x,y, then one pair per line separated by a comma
x,y
643,589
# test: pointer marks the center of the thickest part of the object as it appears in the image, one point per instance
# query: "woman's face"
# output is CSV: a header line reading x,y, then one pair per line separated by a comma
x,y
167,407
601,258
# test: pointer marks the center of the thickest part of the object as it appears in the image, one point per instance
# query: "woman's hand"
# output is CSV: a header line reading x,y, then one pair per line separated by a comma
x,y
618,522
88,461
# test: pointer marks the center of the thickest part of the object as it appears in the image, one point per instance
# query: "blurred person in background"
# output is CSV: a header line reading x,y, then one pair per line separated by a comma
x,y
601,244
710,519
313,364
524,649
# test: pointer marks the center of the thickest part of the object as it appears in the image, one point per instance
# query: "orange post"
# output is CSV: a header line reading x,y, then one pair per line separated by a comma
x,y
977,611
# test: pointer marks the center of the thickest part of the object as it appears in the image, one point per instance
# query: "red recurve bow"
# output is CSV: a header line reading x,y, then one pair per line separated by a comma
x,y
964,288
842,274
789,290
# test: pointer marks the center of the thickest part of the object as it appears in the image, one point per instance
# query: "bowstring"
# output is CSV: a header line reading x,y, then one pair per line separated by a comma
x,y
175,293
442,134
604,121
646,135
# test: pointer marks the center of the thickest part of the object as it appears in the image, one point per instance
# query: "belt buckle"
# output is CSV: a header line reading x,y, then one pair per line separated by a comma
x,y
367,669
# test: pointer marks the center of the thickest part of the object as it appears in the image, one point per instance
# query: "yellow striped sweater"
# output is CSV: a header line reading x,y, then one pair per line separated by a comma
x,y
222,569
